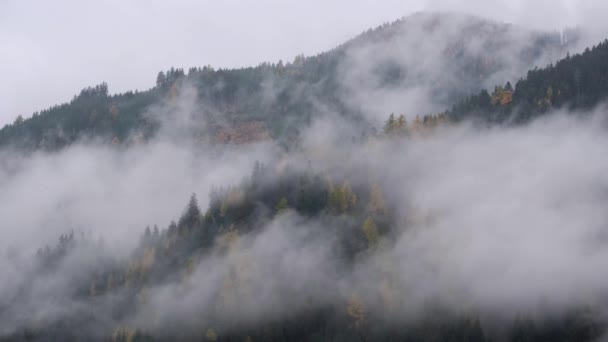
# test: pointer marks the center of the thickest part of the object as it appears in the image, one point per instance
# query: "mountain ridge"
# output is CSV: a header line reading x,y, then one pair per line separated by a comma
x,y
279,98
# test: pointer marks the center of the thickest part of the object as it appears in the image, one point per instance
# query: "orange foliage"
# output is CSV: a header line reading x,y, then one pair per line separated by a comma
x,y
243,133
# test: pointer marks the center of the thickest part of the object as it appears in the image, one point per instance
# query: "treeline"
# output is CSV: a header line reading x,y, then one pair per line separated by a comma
x,y
284,95
578,82
358,213
238,94
93,114
400,127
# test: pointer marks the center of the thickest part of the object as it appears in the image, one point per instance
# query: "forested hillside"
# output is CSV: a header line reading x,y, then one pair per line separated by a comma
x,y
238,249
312,216
432,60
577,82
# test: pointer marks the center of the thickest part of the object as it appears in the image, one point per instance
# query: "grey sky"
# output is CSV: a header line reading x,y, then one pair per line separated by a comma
x,y
51,50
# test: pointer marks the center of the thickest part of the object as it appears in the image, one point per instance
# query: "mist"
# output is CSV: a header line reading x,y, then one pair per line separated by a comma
x,y
493,221
506,221
43,65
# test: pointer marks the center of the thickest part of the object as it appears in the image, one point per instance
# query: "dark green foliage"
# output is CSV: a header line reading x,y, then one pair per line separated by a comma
x,y
577,82
166,256
91,114
283,96
192,215
352,210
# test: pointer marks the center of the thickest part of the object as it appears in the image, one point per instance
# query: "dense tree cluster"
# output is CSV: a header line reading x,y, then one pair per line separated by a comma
x,y
358,213
400,128
284,95
92,114
362,218
576,82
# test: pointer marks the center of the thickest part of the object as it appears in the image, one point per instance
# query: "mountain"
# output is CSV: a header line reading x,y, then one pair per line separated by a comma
x,y
464,235
420,63
578,82
224,274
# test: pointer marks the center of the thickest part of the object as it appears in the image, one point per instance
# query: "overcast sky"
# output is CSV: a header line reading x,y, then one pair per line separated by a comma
x,y
52,49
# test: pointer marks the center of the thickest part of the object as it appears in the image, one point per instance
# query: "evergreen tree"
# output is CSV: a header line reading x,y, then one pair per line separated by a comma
x,y
161,79
389,125
371,232
192,214
282,205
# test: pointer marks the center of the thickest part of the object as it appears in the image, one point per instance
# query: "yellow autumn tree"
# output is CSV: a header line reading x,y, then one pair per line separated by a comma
x,y
342,198
211,335
376,203
395,127
356,310
282,206
371,232
502,95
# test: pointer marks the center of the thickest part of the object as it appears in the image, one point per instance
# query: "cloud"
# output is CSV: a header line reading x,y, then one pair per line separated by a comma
x,y
428,61
513,217
498,220
111,193
53,51
504,219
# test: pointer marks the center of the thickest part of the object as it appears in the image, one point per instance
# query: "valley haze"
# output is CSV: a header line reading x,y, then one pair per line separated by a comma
x,y
431,177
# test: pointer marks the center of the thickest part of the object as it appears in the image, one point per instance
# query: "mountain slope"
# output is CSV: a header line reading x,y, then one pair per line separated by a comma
x,y
420,63
578,82
221,271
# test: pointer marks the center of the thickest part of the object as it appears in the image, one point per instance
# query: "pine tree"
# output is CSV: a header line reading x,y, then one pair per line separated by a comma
x,y
389,125
341,198
371,231
282,206
192,214
161,79
401,125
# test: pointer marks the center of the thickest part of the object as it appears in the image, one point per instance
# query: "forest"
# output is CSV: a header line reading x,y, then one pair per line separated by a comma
x,y
315,200
576,82
114,290
277,99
